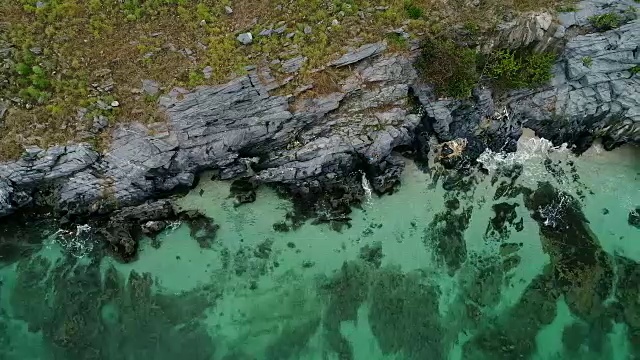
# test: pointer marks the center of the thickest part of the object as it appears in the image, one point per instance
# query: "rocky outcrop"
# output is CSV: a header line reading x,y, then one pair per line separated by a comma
x,y
318,149
239,130
595,92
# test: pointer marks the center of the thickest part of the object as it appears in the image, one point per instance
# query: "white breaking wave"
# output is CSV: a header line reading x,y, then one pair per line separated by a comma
x,y
366,186
78,243
528,149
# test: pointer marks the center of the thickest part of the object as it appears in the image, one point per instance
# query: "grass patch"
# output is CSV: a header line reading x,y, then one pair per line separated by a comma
x,y
606,21
587,61
636,69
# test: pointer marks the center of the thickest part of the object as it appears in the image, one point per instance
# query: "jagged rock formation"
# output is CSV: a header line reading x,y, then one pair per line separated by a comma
x,y
238,129
318,146
595,92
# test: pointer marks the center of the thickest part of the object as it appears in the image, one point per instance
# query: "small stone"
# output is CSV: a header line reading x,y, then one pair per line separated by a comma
x,y
150,87
280,30
3,109
335,22
99,123
203,22
245,38
228,10
40,4
36,50
207,72
266,32
290,35
307,29
115,103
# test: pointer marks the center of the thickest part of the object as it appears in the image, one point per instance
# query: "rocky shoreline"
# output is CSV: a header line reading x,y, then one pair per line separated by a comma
x,y
318,149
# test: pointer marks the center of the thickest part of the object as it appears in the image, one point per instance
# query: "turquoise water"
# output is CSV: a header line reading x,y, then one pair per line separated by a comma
x,y
472,272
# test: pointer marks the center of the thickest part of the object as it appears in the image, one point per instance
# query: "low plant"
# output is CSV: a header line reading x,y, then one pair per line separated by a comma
x,y
451,68
512,69
413,12
635,70
606,21
587,61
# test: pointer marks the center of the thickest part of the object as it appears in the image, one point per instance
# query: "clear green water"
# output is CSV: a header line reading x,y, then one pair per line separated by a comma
x,y
408,280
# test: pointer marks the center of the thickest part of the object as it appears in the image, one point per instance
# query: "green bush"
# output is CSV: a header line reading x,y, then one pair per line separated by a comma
x,y
606,21
413,11
636,69
587,61
512,70
449,67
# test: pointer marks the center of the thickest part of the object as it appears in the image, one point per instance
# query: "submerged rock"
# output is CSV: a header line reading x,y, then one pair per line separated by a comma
x,y
634,218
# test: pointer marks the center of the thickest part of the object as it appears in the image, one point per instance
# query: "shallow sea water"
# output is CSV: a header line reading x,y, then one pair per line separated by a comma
x,y
425,273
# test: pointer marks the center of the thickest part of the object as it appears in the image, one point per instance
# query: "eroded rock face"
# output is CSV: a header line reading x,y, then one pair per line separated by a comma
x,y
240,130
315,146
594,94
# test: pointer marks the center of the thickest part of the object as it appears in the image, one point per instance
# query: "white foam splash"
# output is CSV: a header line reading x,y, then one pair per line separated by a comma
x,y
528,149
553,212
78,243
366,186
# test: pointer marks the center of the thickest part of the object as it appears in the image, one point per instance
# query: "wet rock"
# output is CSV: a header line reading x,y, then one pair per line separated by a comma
x,y
579,263
403,315
446,234
372,254
634,218
243,190
122,230
201,227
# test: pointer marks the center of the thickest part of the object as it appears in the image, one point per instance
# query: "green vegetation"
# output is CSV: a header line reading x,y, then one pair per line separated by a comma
x,y
456,70
606,21
413,12
635,70
449,67
587,61
513,70
69,59
567,8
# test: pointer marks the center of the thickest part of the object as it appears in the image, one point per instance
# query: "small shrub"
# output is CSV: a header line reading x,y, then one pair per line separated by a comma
x,y
636,69
512,70
606,21
587,61
567,9
449,67
413,11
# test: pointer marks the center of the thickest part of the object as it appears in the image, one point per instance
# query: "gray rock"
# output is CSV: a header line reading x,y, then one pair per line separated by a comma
x,y
150,87
293,65
245,38
360,54
308,29
4,106
266,32
587,102
207,72
100,122
228,10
